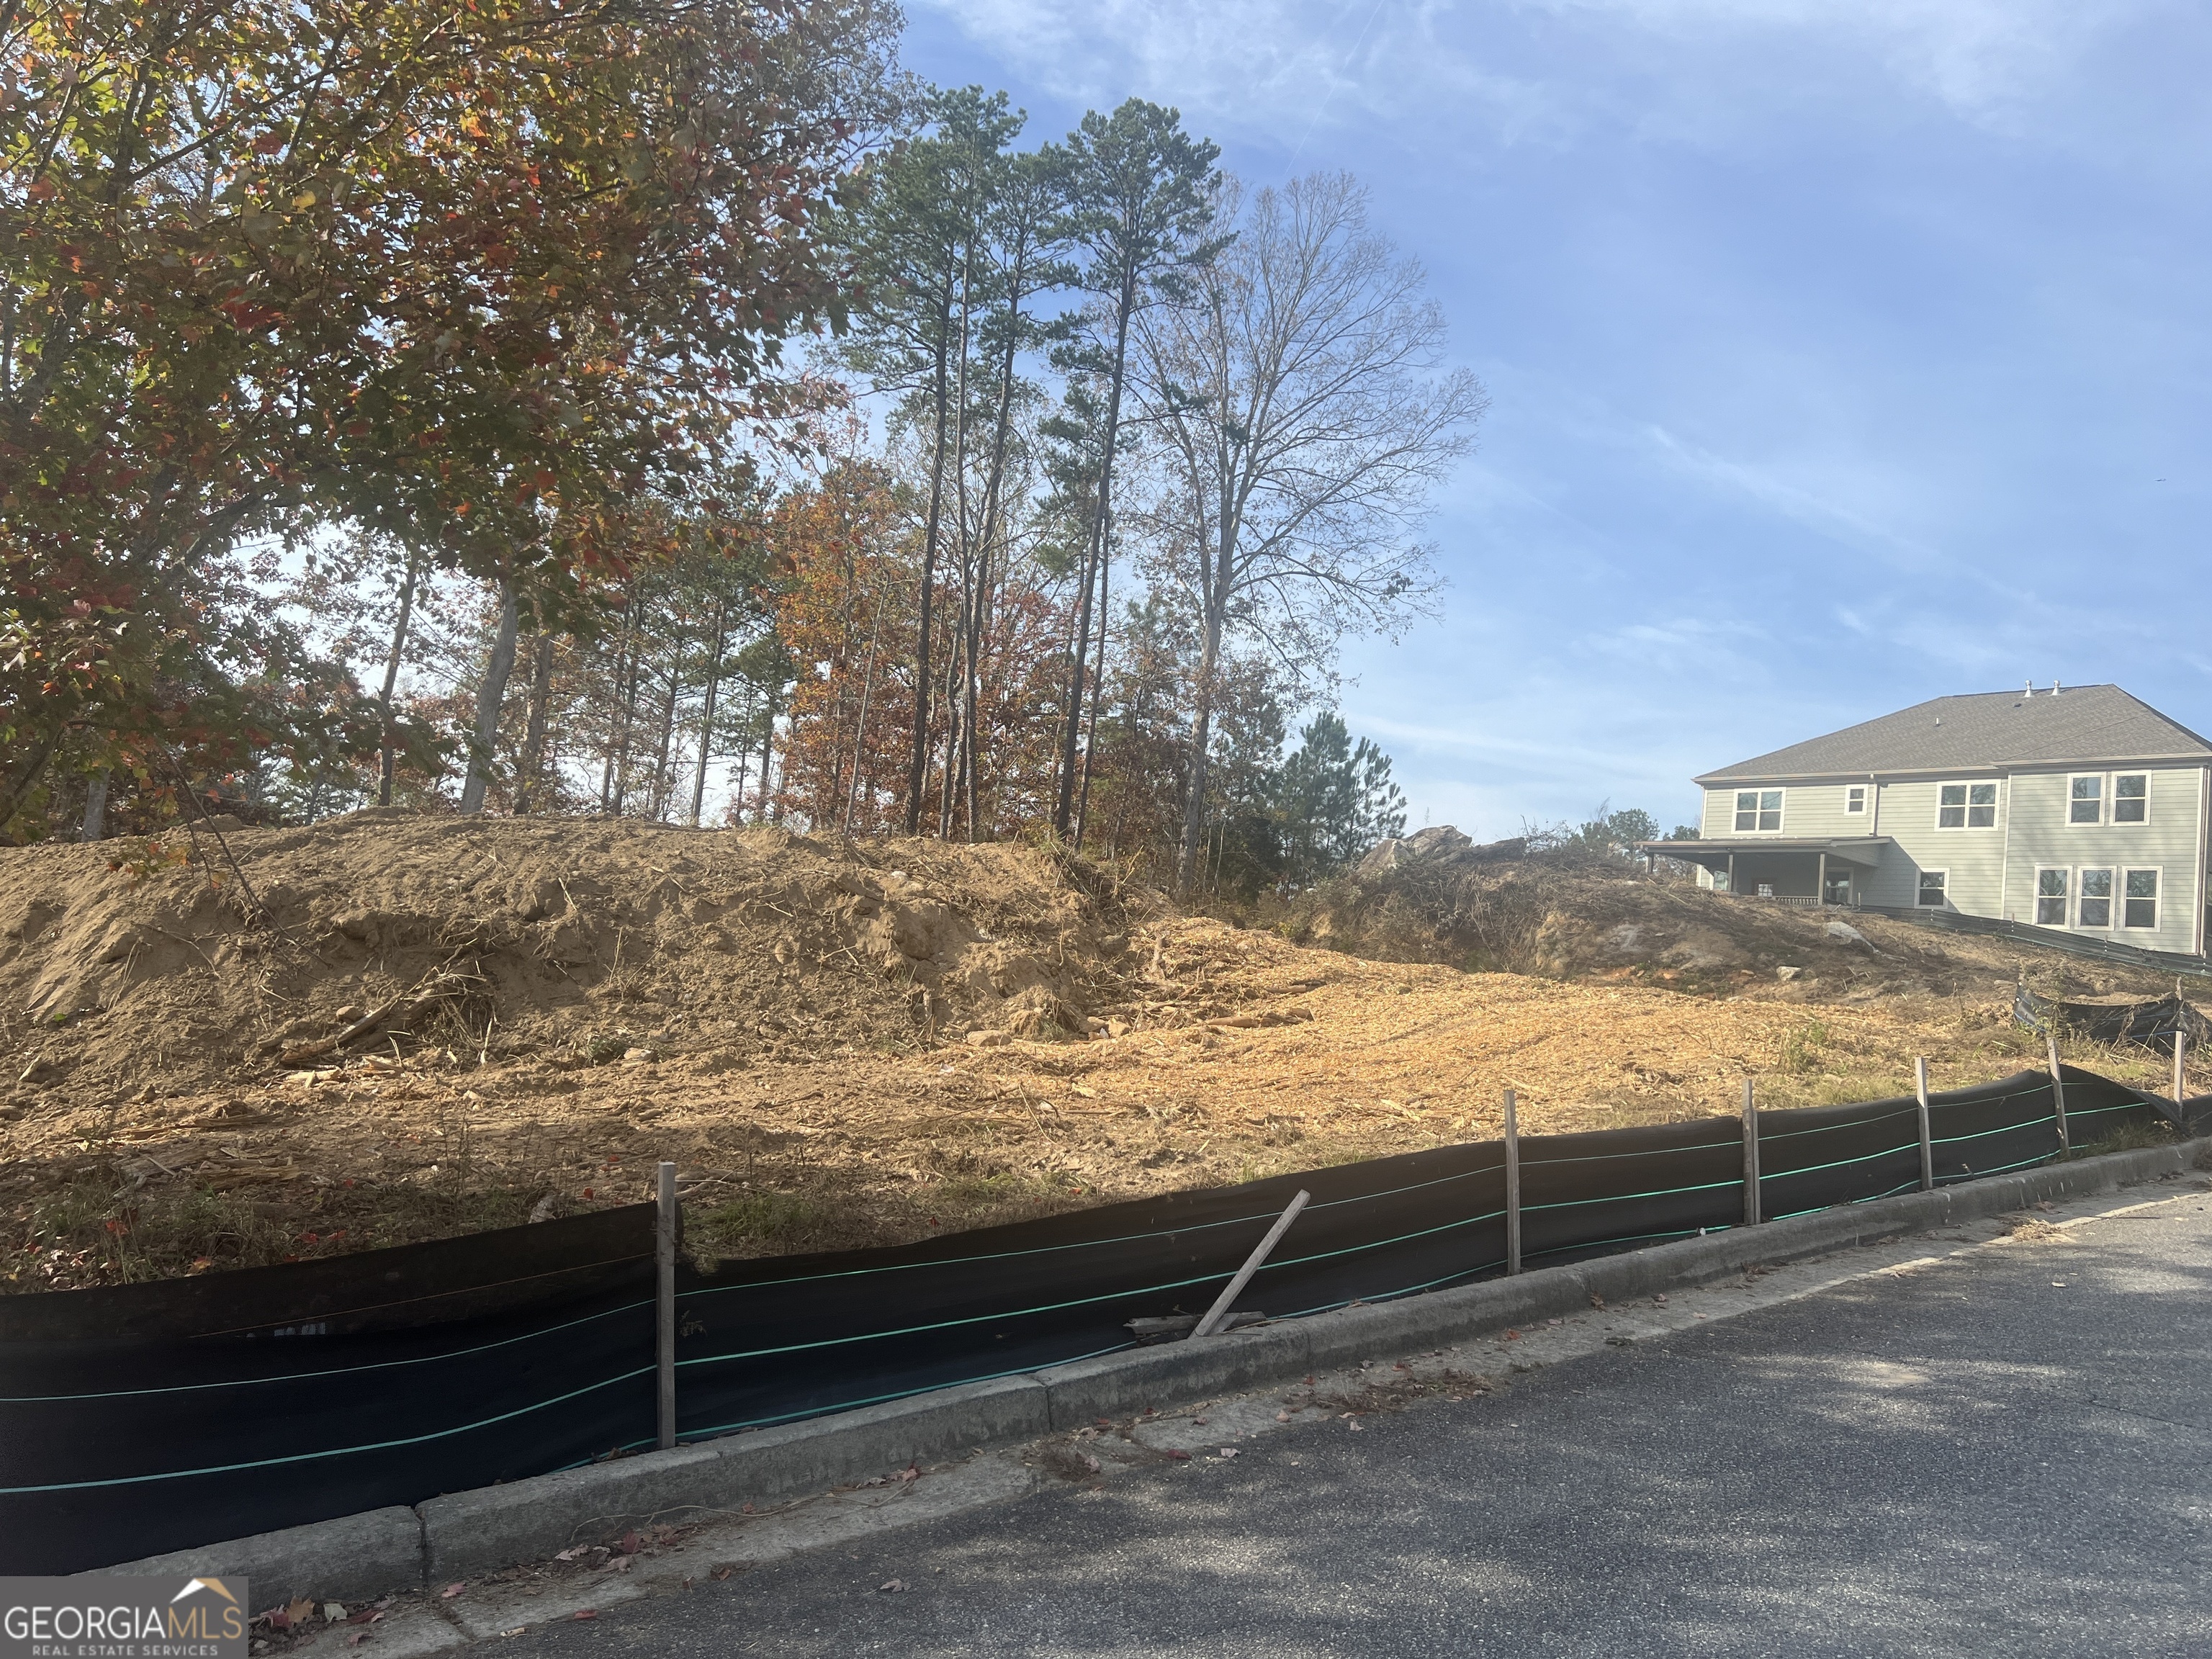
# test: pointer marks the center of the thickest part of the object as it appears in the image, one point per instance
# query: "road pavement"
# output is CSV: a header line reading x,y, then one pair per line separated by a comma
x,y
2007,1449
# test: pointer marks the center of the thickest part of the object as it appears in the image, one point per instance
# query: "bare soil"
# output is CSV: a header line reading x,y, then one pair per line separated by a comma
x,y
839,1043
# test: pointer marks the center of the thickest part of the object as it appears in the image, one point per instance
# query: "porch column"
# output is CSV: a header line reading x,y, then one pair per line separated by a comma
x,y
1821,882
1731,873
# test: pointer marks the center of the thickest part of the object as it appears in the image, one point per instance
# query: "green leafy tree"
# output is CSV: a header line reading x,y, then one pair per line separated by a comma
x,y
1335,800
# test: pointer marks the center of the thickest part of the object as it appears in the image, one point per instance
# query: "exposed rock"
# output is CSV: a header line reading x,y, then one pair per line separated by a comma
x,y
1440,843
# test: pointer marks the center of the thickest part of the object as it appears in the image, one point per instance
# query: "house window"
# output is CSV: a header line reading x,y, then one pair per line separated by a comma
x,y
2051,899
2131,797
2085,800
2140,909
1757,808
2096,904
1855,799
1931,889
1966,806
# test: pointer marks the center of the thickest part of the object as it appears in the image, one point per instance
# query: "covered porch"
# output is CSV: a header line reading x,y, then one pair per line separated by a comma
x,y
1802,871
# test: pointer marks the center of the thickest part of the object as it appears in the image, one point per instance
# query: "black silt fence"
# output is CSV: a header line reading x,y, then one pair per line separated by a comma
x,y
153,1417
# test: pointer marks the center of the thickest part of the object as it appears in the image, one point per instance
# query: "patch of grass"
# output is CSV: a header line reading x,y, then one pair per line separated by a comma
x,y
87,1233
1800,1050
757,1218
2128,1138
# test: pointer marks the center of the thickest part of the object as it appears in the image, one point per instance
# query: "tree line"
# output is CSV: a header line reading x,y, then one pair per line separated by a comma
x,y
675,410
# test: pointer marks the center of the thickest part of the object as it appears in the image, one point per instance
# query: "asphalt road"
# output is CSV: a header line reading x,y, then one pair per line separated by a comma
x,y
1971,1458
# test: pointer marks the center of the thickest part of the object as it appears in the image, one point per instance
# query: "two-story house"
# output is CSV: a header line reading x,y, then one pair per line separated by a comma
x,y
2078,809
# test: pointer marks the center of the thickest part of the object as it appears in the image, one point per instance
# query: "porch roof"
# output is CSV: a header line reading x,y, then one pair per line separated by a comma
x,y
1865,851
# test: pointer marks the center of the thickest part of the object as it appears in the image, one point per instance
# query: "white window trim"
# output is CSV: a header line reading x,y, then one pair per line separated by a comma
x,y
2120,899
1996,806
1920,877
2036,895
1859,810
1780,828
2112,799
2104,801
2112,898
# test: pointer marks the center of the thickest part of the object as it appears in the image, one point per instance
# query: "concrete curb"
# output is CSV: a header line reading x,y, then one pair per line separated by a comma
x,y
465,1533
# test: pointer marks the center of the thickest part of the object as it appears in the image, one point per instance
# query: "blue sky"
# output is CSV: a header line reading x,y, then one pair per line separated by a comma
x,y
1841,355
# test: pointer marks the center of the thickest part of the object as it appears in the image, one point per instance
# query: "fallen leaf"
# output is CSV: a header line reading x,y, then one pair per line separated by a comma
x,y
1659,1298
629,1543
300,1611
893,1585
335,1612
452,1590
911,1473
721,1573
1229,1451
584,1612
517,1631
1356,1424
1282,1416
1180,1456
356,1638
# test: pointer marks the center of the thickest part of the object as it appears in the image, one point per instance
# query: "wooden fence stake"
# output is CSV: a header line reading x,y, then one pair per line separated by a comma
x,y
1235,1288
664,1256
1927,1144
1751,1212
1512,1187
2058,1093
2180,1060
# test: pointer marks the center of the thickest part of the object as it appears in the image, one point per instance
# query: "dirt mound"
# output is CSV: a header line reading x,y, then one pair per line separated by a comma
x,y
502,937
448,1026
1568,916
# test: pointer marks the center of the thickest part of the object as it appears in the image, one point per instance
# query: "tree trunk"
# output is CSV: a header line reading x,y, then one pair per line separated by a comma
x,y
663,785
616,735
1202,734
385,760
769,812
533,740
95,806
918,766
1098,697
489,695
1064,811
860,731
627,727
707,717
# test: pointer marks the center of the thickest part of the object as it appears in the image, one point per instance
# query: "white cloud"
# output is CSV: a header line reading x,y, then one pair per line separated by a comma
x,y
1539,71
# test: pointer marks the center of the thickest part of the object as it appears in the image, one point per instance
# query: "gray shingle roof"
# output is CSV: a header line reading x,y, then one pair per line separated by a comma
x,y
1984,731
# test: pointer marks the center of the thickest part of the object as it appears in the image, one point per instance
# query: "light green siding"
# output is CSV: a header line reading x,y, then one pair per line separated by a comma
x,y
1972,860
1992,871
1808,809
2043,839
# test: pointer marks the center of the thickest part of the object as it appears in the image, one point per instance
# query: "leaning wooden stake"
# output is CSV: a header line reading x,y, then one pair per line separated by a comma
x,y
663,1253
1512,1187
2057,1092
1751,1215
1927,1144
1219,1310
2180,1061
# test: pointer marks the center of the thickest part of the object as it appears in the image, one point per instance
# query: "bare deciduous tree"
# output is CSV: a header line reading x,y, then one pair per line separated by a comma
x,y
1303,415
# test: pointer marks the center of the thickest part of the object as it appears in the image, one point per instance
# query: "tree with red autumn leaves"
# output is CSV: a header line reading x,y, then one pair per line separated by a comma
x,y
475,278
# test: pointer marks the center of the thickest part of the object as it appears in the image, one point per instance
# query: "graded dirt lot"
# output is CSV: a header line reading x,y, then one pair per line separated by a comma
x,y
415,1027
